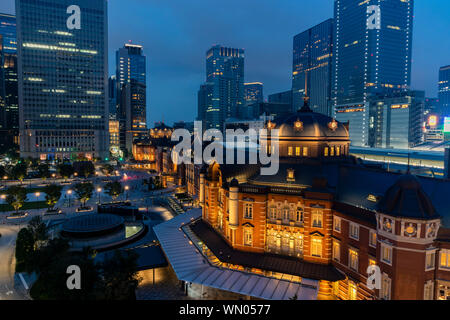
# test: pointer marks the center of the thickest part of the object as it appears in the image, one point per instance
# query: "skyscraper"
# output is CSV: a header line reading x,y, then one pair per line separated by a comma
x,y
253,92
225,75
8,80
444,90
131,75
312,57
372,54
63,78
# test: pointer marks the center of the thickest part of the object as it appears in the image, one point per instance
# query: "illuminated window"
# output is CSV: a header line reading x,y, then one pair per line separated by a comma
x,y
428,290
353,259
337,224
386,254
298,151
317,216
429,260
316,247
325,152
305,151
373,238
272,213
445,259
299,214
354,231
338,151
352,291
248,237
248,211
336,250
332,151
290,151
385,293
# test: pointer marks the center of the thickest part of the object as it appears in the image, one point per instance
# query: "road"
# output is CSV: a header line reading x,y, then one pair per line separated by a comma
x,y
7,245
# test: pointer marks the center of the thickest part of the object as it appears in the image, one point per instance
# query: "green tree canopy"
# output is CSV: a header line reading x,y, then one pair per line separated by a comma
x,y
44,171
84,191
52,195
65,170
19,171
114,189
16,197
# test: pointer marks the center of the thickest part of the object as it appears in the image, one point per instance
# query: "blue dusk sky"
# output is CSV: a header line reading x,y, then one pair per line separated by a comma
x,y
176,34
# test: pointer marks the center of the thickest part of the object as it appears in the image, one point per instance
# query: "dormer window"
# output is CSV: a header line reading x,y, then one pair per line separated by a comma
x,y
290,175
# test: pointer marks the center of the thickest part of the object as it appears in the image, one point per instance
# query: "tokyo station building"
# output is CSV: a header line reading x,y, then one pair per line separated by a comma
x,y
326,217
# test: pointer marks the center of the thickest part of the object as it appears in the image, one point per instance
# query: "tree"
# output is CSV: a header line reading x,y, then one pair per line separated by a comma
x,y
44,171
24,250
84,168
16,197
84,192
119,276
65,170
107,169
29,240
38,229
52,195
19,171
114,189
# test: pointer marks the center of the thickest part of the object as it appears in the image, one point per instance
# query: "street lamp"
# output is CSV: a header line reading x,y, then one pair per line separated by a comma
x,y
99,190
37,194
126,192
69,192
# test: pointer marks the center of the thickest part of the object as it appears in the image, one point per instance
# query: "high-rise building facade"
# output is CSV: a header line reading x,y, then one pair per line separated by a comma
x,y
396,120
253,92
312,58
372,53
131,75
225,75
8,80
63,78
282,97
444,90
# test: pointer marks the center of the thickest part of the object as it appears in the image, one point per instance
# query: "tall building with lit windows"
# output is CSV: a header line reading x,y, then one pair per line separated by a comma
x,y
8,81
131,76
225,76
63,79
372,53
312,58
444,90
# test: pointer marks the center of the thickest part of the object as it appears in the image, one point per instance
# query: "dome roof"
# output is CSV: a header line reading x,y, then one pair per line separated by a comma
x,y
306,123
407,199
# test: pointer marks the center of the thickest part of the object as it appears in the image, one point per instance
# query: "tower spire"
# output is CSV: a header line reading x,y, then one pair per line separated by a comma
x,y
306,107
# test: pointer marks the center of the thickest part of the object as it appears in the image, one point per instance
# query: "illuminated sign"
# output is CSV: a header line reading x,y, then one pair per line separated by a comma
x,y
432,121
446,125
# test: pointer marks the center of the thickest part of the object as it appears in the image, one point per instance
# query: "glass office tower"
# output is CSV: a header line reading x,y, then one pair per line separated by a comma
x,y
63,79
131,76
444,90
8,78
225,76
372,54
312,57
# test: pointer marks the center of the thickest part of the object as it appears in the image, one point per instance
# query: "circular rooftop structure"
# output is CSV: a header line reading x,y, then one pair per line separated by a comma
x,y
308,124
92,225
